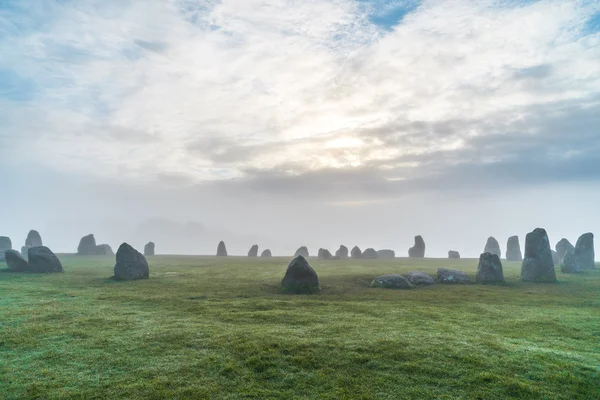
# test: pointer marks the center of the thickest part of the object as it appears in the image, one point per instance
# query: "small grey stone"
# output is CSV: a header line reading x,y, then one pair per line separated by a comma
x,y
370,254
538,265
418,278
418,250
386,254
391,281
266,253
492,246
513,249
253,252
452,276
149,249
221,249
342,252
356,253
33,239
453,254
15,261
302,251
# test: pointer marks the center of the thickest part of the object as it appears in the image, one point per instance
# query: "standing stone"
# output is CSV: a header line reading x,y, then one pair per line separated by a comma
x,y
391,281
584,252
87,245
33,239
538,265
221,249
302,251
369,254
453,254
324,254
418,278
386,254
266,253
131,264
356,252
149,249
492,246
562,248
15,261
418,250
452,276
569,264
5,244
300,277
253,252
104,250
43,260
513,249
489,269
342,252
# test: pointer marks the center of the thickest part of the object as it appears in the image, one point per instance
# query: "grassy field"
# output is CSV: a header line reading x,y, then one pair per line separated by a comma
x,y
202,327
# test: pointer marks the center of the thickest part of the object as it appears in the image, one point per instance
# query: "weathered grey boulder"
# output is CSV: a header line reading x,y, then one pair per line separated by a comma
x,y
584,252
369,254
149,249
87,245
453,254
356,252
391,281
33,239
131,264
492,246
513,249
569,264
418,250
538,265
489,269
266,253
253,252
562,248
104,250
43,260
324,254
342,252
5,244
300,277
15,261
221,249
452,276
418,278
386,254
302,251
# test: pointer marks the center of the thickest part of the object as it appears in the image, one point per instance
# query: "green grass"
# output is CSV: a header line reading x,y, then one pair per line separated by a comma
x,y
202,327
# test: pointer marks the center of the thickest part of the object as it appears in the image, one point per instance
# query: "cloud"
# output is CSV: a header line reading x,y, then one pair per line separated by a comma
x,y
282,96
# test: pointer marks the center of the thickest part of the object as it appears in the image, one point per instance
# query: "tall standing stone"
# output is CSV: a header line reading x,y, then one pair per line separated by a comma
x,y
300,277
253,252
570,264
221,249
513,249
489,269
302,251
5,244
356,252
342,252
584,253
562,248
492,246
149,249
43,260
453,254
33,239
131,264
324,254
87,245
538,265
418,250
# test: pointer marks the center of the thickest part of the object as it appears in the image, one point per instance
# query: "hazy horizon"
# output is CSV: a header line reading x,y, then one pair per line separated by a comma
x,y
284,123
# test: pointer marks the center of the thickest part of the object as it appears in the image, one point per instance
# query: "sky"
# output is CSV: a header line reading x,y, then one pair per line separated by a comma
x,y
287,123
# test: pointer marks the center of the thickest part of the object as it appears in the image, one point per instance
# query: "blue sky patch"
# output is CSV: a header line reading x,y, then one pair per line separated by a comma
x,y
15,87
389,13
